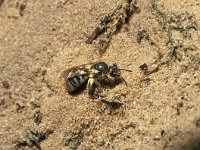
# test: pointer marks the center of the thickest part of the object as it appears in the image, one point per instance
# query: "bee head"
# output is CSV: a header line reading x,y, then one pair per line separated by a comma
x,y
114,71
102,67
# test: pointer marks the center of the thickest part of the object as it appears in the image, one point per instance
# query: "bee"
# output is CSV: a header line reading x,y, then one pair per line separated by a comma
x,y
93,74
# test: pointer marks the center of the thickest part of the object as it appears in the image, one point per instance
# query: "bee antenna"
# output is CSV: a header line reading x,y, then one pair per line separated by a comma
x,y
124,81
126,70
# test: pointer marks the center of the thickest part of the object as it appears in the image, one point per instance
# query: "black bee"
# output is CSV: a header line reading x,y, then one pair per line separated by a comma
x,y
93,74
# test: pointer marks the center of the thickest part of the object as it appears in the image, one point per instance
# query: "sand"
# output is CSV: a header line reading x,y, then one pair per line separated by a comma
x,y
159,108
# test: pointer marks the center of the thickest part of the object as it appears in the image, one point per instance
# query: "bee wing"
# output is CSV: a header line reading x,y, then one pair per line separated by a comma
x,y
64,73
76,71
70,73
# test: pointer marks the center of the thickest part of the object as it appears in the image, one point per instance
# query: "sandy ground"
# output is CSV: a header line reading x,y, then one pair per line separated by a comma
x,y
158,109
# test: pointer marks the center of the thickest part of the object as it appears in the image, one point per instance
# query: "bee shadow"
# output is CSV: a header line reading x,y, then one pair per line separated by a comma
x,y
111,84
112,105
192,144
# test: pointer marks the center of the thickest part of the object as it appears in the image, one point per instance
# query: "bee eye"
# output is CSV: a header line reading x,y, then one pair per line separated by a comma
x,y
114,71
102,67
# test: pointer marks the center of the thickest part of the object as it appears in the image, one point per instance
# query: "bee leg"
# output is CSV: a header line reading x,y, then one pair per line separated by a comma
x,y
109,80
98,89
91,87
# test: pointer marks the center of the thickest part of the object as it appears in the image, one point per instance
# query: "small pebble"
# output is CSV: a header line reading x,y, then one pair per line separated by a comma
x,y
5,84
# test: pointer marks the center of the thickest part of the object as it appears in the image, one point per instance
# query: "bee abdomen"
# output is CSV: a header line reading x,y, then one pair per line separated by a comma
x,y
75,82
